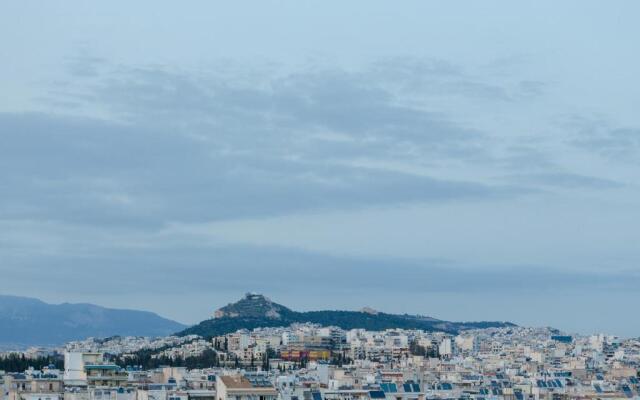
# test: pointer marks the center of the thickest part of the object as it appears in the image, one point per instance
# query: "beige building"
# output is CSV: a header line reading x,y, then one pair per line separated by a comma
x,y
239,387
21,387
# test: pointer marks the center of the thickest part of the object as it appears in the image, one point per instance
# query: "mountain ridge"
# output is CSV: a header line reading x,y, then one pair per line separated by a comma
x,y
28,321
257,311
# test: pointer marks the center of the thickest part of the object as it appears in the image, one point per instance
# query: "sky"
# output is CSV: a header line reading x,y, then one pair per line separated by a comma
x,y
464,160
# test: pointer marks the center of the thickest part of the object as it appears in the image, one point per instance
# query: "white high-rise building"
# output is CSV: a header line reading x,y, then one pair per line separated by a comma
x,y
74,367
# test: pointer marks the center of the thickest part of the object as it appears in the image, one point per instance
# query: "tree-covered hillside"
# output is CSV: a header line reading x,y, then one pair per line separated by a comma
x,y
255,311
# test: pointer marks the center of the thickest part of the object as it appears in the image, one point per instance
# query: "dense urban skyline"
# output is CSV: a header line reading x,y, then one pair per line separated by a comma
x,y
464,160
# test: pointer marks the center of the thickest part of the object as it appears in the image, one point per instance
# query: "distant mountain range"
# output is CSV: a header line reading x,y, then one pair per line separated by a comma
x,y
27,321
256,311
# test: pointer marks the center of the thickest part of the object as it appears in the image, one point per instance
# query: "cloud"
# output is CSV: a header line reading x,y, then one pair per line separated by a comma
x,y
613,143
442,79
565,180
279,109
599,136
91,171
85,65
270,269
180,146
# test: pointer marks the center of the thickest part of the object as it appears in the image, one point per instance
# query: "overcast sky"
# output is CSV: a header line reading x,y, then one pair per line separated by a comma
x,y
464,160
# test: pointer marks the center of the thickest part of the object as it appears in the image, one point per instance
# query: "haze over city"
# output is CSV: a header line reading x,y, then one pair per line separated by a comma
x,y
470,161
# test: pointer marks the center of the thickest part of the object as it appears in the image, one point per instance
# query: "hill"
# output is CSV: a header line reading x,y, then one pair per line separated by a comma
x,y
255,311
29,322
